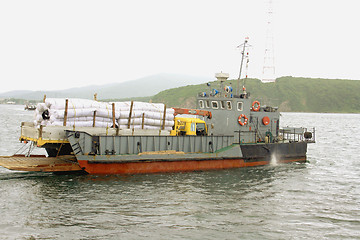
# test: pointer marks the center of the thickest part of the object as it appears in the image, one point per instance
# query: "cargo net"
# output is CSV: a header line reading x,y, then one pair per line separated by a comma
x,y
90,113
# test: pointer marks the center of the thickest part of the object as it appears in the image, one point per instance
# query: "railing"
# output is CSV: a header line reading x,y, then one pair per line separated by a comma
x,y
86,143
288,134
251,136
292,134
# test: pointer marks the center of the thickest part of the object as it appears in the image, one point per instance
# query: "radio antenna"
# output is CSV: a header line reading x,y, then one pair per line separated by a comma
x,y
243,55
269,59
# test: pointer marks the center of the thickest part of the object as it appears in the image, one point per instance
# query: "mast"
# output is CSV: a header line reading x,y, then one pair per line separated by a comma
x,y
244,46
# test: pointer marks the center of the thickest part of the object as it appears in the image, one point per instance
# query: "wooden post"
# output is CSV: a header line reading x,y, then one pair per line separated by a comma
x,y
94,118
66,111
143,121
113,114
44,98
130,113
40,131
164,117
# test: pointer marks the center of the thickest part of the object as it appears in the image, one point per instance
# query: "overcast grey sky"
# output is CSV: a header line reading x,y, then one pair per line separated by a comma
x,y
47,45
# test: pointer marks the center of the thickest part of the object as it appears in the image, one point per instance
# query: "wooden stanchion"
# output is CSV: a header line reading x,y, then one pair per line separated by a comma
x,y
94,118
143,121
164,117
130,113
113,115
66,111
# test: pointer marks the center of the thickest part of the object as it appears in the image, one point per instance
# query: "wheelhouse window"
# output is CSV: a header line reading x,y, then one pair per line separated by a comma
x,y
201,103
239,106
207,104
228,105
215,104
222,104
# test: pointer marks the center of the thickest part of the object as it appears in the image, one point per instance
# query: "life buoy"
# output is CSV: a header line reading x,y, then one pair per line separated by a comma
x,y
266,120
257,108
242,116
228,89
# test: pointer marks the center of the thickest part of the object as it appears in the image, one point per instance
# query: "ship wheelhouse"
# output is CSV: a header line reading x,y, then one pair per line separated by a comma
x,y
238,115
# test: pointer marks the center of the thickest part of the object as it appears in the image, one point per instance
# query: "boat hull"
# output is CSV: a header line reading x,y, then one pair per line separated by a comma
x,y
274,150
144,167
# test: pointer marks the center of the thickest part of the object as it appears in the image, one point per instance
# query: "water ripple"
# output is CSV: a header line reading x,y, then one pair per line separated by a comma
x,y
319,199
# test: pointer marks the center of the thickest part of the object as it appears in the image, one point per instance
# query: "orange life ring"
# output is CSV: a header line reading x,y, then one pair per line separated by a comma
x,y
256,108
242,123
266,120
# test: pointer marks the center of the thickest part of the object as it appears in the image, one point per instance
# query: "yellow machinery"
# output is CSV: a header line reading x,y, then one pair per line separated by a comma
x,y
189,126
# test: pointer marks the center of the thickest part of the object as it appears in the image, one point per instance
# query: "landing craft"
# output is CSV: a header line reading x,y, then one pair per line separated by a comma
x,y
230,131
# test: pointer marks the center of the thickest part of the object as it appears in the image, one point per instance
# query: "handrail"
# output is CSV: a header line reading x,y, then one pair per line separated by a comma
x,y
285,135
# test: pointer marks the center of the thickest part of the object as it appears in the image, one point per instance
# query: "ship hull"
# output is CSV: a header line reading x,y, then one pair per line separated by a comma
x,y
174,166
273,151
252,155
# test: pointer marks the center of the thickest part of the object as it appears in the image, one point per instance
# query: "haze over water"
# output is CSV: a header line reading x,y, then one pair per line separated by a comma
x,y
316,200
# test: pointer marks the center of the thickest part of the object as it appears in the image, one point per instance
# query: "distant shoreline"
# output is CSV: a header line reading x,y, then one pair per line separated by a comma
x,y
290,94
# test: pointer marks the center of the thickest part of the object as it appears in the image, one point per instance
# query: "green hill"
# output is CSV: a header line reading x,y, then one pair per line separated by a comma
x,y
290,94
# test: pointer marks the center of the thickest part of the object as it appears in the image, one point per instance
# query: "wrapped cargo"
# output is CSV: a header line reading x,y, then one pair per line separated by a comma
x,y
84,112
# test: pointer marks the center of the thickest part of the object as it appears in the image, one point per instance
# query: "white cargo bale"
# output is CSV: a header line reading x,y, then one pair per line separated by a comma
x,y
147,121
41,107
122,106
145,127
107,113
88,119
38,118
147,114
152,107
142,106
157,122
60,103
81,112
83,124
71,113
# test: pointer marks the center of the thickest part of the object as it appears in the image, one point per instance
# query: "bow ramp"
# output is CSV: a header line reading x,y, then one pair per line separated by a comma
x,y
40,163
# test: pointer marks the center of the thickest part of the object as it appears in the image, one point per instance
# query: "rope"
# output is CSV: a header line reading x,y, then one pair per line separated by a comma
x,y
22,149
30,150
59,149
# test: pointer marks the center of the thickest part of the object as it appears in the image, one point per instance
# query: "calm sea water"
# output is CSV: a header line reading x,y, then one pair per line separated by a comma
x,y
315,200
